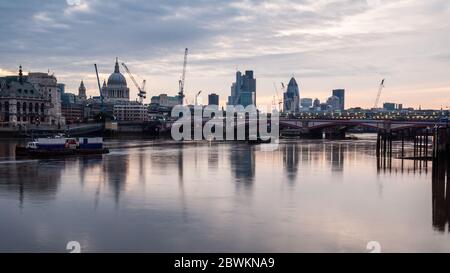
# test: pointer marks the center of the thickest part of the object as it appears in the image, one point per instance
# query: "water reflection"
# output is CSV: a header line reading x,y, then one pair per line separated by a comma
x,y
180,191
291,155
242,162
88,164
34,180
116,170
335,155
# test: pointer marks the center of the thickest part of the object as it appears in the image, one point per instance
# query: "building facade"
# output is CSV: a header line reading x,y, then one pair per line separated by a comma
x,y
82,92
47,85
292,97
73,112
340,93
164,100
316,103
61,87
131,112
243,91
306,103
390,106
213,99
334,103
116,90
21,104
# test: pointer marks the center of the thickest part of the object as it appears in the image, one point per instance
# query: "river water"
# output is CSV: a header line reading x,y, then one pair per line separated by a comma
x,y
161,196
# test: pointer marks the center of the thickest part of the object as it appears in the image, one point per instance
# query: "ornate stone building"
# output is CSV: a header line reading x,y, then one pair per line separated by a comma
x,y
21,103
116,90
47,85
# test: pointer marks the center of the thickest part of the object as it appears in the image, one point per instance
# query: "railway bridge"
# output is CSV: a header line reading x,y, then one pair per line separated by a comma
x,y
339,126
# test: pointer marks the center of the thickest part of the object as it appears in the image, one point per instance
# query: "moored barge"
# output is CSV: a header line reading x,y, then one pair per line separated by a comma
x,y
62,146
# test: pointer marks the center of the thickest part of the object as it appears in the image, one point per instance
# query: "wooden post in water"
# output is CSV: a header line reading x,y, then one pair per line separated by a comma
x,y
415,145
390,150
403,144
378,144
421,148
390,144
435,142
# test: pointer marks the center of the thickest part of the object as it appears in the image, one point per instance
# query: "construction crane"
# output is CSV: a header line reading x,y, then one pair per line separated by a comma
x,y
283,90
183,77
102,109
144,82
141,92
377,100
196,97
279,100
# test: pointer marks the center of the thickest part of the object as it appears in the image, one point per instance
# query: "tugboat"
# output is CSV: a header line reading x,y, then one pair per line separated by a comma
x,y
62,146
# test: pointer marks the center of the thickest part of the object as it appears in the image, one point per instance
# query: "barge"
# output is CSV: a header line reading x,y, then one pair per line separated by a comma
x,y
62,146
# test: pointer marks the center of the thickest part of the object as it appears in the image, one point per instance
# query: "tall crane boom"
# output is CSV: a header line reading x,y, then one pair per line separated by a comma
x,y
380,88
141,92
183,77
100,90
279,100
283,90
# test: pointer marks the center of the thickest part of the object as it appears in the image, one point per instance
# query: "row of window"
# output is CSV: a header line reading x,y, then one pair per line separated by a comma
x,y
23,107
118,93
31,119
25,91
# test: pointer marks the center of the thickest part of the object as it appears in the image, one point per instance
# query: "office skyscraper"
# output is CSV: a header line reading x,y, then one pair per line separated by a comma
x,y
306,103
340,93
292,97
243,91
213,99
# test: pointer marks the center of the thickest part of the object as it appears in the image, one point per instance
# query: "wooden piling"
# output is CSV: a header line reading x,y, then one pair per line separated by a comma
x,y
403,144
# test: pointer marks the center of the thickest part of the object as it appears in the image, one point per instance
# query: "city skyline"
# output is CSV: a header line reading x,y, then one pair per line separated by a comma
x,y
326,45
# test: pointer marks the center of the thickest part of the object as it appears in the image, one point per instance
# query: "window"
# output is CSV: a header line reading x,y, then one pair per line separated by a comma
x,y
30,107
36,107
42,108
24,107
18,107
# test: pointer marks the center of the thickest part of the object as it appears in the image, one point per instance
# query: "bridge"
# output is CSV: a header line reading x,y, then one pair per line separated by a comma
x,y
47,130
338,127
378,124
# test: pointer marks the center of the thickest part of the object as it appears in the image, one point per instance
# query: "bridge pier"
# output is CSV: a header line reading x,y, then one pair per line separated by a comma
x,y
384,149
441,178
384,143
441,143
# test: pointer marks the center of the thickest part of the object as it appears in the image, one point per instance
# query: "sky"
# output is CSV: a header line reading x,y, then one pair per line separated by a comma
x,y
324,44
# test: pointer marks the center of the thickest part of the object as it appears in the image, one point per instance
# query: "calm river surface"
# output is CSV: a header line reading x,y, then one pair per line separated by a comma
x,y
159,196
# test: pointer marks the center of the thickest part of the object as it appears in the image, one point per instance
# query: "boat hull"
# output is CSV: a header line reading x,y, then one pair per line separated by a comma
x,y
21,151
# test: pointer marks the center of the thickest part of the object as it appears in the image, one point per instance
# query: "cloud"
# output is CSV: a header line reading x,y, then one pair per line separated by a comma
x,y
4,72
325,43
